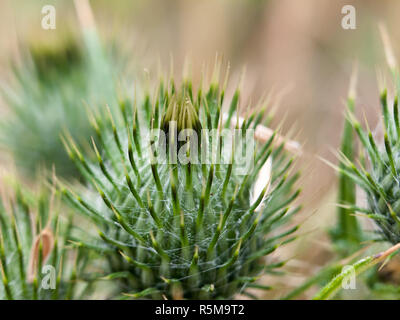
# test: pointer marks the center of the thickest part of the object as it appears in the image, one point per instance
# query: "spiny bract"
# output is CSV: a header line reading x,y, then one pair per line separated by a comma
x,y
380,179
34,262
183,230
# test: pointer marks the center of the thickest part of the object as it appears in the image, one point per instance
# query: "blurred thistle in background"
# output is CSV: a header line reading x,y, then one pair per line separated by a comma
x,y
50,87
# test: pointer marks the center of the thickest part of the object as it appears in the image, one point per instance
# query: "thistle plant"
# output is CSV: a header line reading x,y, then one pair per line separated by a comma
x,y
47,95
378,175
34,260
378,170
182,227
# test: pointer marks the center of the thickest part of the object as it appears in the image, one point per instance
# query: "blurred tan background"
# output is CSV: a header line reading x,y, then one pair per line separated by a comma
x,y
291,46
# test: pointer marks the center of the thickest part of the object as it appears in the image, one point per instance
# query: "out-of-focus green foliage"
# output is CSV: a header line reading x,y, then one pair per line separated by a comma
x,y
347,235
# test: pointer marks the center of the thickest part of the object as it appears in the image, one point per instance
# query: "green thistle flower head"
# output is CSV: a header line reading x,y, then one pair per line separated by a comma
x,y
34,262
184,229
380,176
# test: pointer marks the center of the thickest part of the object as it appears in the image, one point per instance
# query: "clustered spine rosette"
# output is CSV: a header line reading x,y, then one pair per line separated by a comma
x,y
175,230
380,176
35,262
